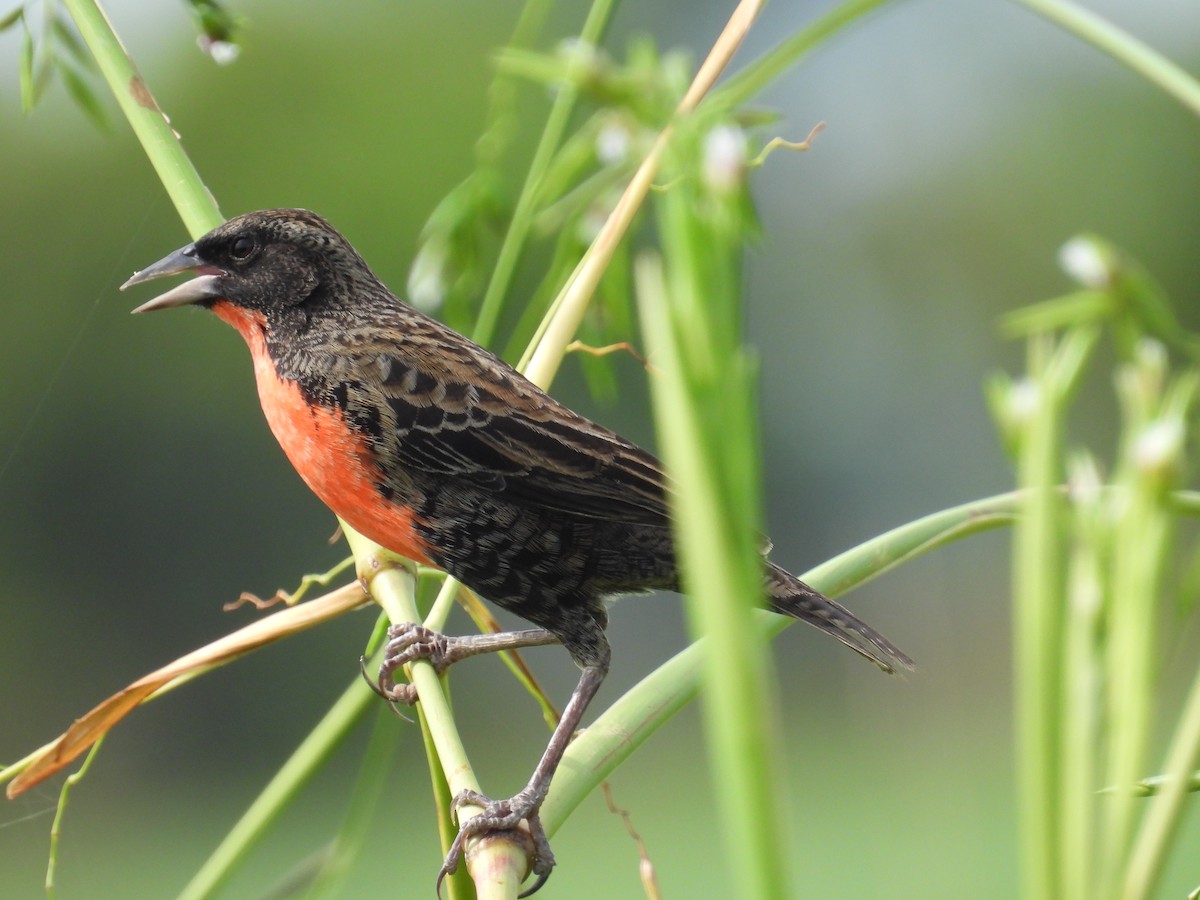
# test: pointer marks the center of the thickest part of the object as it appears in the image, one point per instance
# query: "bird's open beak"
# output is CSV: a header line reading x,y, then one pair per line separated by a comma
x,y
199,289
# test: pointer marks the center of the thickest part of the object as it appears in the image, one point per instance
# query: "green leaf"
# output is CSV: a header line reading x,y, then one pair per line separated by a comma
x,y
12,18
216,23
68,39
1079,308
83,95
25,70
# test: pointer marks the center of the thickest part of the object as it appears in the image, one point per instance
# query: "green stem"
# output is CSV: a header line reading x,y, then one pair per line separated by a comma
x,y
281,789
1082,681
723,577
1141,539
1123,47
1038,607
194,203
356,831
60,813
1163,818
523,213
1036,586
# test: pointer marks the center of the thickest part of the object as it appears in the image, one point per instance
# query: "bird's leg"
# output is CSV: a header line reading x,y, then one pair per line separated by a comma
x,y
499,815
410,642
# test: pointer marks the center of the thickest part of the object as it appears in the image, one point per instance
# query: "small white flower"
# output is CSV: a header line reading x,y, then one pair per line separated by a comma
x,y
1158,446
613,143
222,52
578,52
1084,484
724,158
1024,400
1085,261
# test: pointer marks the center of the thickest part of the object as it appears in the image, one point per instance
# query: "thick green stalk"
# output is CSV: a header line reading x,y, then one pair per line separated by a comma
x,y
723,577
1155,424
1140,540
358,830
1039,551
1166,809
392,585
1082,684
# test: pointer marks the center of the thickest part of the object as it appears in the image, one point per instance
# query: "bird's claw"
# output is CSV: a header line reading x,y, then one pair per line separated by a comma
x,y
497,816
407,643
393,693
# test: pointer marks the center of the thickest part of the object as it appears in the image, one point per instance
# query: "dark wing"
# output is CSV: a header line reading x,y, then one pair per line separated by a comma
x,y
451,409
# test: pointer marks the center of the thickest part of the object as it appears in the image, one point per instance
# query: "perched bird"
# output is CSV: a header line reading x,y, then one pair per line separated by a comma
x,y
431,446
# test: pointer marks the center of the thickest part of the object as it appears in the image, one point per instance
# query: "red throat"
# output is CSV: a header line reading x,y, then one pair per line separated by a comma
x,y
333,459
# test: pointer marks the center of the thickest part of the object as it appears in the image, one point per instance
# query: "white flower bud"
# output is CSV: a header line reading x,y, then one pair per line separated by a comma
x,y
613,143
1158,446
724,158
1085,261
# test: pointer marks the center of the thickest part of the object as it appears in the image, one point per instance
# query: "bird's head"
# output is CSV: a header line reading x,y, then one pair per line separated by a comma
x,y
265,263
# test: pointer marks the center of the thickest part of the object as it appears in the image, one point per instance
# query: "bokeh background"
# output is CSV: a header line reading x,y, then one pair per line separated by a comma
x,y
140,488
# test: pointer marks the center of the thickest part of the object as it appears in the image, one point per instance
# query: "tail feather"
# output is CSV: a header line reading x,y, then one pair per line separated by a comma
x,y
792,597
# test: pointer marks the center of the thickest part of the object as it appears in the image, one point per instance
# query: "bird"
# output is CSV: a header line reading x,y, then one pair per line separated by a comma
x,y
435,448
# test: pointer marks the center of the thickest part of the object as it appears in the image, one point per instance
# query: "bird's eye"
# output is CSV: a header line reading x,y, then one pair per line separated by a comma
x,y
242,247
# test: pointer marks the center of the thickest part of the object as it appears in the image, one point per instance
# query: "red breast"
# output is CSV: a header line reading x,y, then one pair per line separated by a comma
x,y
333,459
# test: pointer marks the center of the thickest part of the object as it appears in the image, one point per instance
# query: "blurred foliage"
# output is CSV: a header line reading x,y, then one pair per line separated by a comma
x,y
52,46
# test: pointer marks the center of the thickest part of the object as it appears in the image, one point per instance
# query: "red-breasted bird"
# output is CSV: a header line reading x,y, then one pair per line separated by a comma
x,y
433,447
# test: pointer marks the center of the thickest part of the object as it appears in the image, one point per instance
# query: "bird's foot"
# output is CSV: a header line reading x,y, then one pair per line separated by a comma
x,y
502,815
408,643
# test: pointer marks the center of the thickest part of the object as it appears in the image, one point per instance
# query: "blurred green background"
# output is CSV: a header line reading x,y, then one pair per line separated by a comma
x,y
140,488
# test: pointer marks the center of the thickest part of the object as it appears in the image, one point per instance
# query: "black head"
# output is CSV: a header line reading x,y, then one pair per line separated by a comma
x,y
269,261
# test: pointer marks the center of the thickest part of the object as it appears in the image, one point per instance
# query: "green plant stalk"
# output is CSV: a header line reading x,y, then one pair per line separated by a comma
x,y
1185,503
645,707
357,828
1163,817
300,767
1038,550
1082,685
523,213
1144,537
723,576
60,813
497,866
192,200
1123,47
459,884
1141,539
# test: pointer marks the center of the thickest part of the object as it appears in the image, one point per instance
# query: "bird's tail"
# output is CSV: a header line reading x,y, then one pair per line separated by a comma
x,y
792,597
